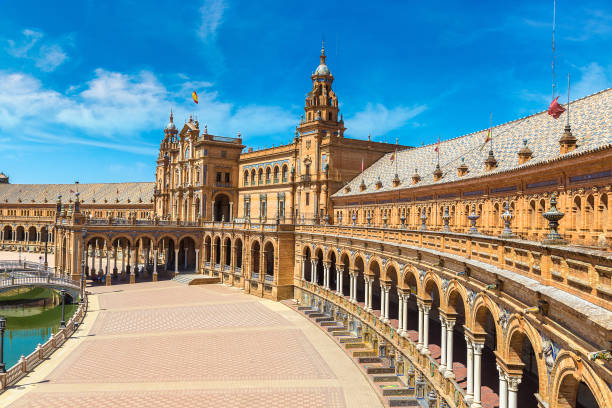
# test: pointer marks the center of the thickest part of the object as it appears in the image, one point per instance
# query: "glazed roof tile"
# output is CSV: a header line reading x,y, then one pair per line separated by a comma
x,y
37,193
591,124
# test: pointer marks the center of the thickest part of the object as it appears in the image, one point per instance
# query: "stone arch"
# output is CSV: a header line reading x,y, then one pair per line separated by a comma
x,y
307,264
221,207
217,242
359,267
275,173
319,256
20,233
207,248
285,173
393,268
237,247
345,261
567,376
431,287
255,255
268,174
483,304
269,256
307,247
32,234
331,251
8,233
518,332
245,180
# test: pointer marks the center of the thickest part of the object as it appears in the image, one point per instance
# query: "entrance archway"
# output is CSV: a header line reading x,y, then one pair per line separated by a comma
x,y
221,209
187,257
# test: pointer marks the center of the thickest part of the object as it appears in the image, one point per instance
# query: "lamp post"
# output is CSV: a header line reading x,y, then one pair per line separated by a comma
x,y
46,241
19,256
83,233
2,328
63,321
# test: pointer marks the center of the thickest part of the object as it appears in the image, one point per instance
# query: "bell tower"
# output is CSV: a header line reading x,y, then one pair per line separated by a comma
x,y
319,131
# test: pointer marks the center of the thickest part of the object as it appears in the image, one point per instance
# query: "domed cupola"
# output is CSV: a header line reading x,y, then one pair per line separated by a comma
x,y
171,126
322,69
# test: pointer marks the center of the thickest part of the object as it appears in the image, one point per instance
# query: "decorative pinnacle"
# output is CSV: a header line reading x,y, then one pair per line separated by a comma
x,y
322,51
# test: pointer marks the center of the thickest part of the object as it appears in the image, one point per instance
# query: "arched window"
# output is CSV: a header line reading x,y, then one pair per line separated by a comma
x,y
260,176
253,177
285,171
246,178
268,173
276,171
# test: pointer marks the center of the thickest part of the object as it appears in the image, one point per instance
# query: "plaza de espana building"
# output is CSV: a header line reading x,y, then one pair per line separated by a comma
x,y
446,259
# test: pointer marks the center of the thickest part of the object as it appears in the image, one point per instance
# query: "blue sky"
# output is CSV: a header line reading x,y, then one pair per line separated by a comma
x,y
86,87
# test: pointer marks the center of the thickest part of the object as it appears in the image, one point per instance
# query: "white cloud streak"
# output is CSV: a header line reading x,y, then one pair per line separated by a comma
x,y
113,106
211,14
47,56
379,120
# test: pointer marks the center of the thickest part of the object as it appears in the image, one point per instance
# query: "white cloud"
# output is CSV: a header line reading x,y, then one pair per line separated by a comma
x,y
114,107
50,57
594,78
47,56
211,13
379,120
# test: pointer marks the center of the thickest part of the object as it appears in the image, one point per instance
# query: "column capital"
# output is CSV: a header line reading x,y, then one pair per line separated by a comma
x,y
513,383
478,347
450,323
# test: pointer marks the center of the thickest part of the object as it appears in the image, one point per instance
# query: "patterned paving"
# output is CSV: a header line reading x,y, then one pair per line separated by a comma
x,y
167,344
216,316
195,357
323,397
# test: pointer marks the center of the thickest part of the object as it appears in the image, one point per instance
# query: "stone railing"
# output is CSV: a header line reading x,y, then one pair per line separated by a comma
x,y
29,267
428,367
33,280
586,273
26,246
27,364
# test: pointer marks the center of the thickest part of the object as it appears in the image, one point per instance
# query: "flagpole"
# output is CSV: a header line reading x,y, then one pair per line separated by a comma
x,y
568,99
553,48
491,130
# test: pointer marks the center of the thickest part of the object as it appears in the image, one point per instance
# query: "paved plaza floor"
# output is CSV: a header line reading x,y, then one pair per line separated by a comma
x,y
167,344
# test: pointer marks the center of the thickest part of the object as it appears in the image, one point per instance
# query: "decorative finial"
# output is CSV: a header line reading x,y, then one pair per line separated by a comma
x,y
171,116
322,51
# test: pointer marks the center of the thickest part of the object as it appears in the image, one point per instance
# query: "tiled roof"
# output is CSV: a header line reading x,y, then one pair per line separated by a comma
x,y
591,124
37,193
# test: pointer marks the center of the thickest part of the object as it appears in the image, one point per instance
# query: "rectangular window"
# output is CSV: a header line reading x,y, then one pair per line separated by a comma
x,y
307,199
205,152
218,177
223,154
227,177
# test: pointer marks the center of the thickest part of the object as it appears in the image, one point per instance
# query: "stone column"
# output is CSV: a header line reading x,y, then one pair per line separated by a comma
x,y
469,392
176,252
449,348
87,257
513,383
231,211
442,345
185,260
155,265
122,260
133,267
100,270
339,279
405,314
400,313
477,374
426,310
325,275
197,263
313,271
368,293
304,268
352,287
115,259
386,315
108,277
503,388
420,341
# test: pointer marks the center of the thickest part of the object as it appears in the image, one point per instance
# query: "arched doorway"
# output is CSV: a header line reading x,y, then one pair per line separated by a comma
x,y
521,351
20,234
346,278
207,250
217,249
238,255
166,247
307,265
376,288
8,233
187,257
269,260
227,250
393,295
332,271
221,209
255,254
485,325
360,295
319,267
32,234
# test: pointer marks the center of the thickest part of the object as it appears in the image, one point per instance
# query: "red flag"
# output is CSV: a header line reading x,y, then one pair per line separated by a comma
x,y
437,149
194,95
555,110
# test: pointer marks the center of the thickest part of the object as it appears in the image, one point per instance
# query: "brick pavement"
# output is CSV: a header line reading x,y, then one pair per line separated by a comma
x,y
166,344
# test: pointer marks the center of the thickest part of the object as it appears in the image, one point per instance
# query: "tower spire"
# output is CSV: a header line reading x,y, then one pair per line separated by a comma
x,y
322,51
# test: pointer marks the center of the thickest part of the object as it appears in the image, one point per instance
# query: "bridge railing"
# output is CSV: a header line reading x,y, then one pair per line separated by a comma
x,y
16,265
39,280
27,364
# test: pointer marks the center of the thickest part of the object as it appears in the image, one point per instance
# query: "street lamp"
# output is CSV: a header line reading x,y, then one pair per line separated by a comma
x,y
63,321
2,328
84,233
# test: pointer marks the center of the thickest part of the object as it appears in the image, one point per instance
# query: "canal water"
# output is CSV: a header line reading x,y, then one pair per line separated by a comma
x,y
31,317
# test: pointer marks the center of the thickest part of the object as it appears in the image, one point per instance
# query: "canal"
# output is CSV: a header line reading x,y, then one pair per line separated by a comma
x,y
32,316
